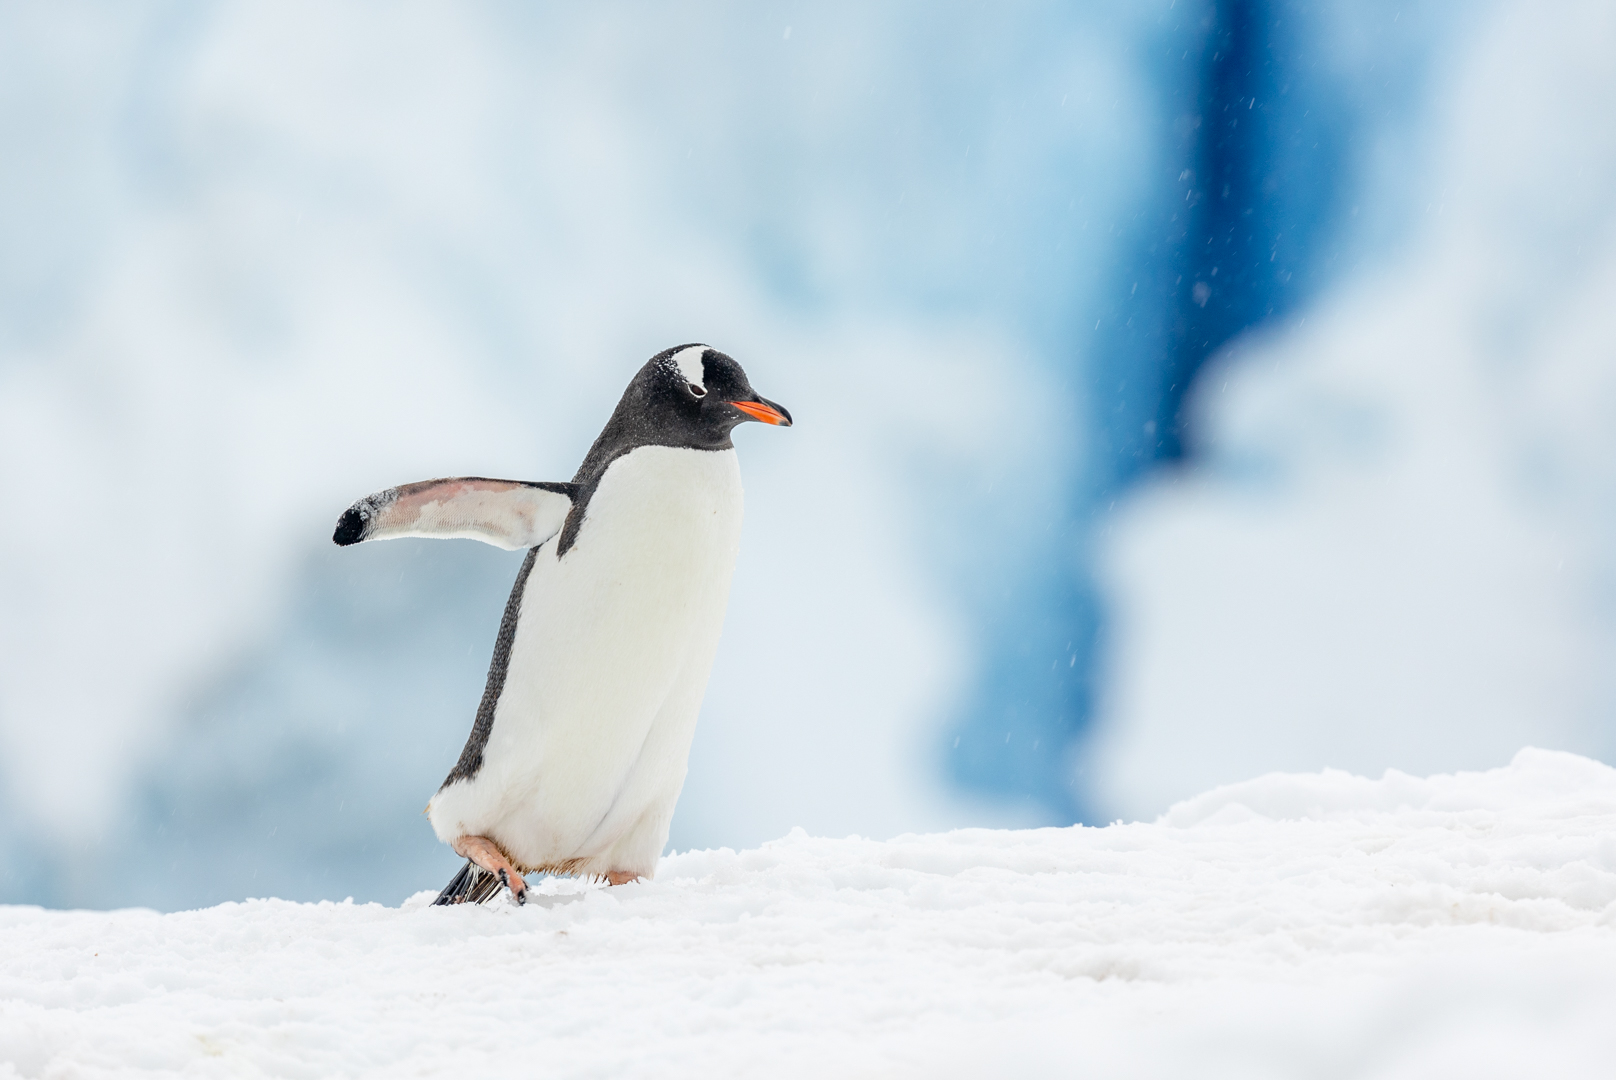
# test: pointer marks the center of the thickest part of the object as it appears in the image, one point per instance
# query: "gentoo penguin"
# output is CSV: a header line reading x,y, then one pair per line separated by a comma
x,y
581,743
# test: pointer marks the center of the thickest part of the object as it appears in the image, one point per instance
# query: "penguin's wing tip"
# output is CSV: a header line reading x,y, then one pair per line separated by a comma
x,y
511,514
350,528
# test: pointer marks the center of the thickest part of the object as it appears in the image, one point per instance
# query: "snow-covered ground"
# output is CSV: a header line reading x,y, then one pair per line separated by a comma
x,y
1293,925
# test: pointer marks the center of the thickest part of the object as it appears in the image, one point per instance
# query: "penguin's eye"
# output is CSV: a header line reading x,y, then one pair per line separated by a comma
x,y
695,391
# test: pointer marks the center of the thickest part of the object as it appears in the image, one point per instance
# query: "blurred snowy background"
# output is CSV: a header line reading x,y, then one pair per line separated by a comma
x,y
1185,389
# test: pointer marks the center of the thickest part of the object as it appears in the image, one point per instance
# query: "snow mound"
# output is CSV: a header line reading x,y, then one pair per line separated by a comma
x,y
1290,926
1547,784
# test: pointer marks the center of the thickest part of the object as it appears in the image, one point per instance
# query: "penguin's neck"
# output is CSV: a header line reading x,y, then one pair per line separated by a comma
x,y
655,483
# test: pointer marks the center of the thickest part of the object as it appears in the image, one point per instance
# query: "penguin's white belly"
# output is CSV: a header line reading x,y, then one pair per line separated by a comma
x,y
608,665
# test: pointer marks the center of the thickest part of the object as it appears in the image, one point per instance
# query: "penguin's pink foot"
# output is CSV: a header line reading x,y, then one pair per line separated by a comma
x,y
486,854
620,877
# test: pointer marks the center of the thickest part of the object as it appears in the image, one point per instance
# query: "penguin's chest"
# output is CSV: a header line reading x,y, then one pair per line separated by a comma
x,y
613,646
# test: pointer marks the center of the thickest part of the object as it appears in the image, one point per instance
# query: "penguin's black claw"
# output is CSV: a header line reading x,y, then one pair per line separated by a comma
x,y
519,897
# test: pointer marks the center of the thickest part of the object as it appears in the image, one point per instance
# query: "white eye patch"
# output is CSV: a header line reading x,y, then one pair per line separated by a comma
x,y
688,363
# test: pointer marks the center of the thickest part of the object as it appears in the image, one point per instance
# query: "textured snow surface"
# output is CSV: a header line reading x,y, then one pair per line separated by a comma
x,y
1293,925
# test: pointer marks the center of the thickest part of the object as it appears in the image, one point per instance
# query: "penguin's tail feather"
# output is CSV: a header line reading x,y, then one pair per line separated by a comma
x,y
472,885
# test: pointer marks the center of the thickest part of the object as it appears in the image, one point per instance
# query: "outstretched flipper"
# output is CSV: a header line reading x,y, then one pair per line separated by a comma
x,y
511,514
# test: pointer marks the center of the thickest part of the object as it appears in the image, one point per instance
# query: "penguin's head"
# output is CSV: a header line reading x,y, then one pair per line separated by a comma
x,y
691,395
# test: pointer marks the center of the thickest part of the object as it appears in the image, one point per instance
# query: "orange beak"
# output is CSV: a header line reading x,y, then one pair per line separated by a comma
x,y
764,411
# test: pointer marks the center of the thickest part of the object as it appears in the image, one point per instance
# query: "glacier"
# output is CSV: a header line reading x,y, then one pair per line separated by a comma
x,y
1115,482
